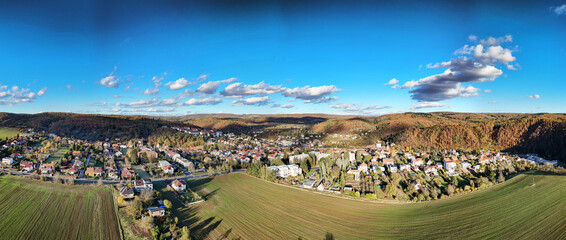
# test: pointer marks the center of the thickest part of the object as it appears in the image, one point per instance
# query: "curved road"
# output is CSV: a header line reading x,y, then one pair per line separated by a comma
x,y
79,180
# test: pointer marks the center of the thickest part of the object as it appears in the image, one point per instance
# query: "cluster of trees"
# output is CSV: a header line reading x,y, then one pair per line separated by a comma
x,y
174,138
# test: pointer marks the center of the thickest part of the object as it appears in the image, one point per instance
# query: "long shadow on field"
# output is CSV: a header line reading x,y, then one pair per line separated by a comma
x,y
198,184
225,235
202,229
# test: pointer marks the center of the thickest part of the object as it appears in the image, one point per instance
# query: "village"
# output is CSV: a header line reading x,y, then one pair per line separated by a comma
x,y
381,171
148,174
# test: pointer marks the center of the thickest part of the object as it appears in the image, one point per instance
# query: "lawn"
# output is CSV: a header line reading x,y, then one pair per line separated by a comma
x,y
31,209
56,157
8,132
241,206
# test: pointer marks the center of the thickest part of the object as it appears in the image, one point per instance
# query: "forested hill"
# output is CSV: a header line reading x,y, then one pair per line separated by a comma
x,y
86,126
544,134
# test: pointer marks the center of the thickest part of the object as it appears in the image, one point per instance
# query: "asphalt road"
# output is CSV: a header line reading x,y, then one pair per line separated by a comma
x,y
78,180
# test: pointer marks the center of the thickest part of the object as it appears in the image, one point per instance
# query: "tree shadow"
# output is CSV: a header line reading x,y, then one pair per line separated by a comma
x,y
198,184
225,235
204,228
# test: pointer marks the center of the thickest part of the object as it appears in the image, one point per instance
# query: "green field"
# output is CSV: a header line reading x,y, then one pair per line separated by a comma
x,y
31,209
241,206
8,132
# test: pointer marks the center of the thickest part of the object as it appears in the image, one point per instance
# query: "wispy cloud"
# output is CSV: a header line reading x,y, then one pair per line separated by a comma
x,y
358,109
559,10
535,96
203,101
427,105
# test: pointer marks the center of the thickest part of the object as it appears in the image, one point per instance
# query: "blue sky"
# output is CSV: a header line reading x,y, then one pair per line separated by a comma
x,y
249,57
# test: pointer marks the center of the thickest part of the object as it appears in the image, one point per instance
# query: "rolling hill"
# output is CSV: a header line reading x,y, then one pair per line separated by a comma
x,y
242,206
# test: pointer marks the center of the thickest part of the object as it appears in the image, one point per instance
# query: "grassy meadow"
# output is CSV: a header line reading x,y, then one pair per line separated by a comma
x,y
8,132
238,205
31,209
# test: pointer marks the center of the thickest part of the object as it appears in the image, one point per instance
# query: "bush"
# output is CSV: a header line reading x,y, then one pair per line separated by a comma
x,y
371,196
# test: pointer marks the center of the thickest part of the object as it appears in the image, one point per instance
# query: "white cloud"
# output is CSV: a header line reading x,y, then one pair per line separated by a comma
x,y
427,105
462,70
68,86
151,91
167,102
559,10
392,81
142,103
536,96
472,38
160,110
359,110
252,101
287,106
240,90
42,91
18,95
180,83
487,91
110,81
203,101
312,94
497,41
322,100
212,86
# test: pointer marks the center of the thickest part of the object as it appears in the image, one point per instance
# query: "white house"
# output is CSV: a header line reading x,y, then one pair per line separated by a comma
x,y
166,167
450,165
363,167
284,171
179,185
8,161
356,173
405,167
143,184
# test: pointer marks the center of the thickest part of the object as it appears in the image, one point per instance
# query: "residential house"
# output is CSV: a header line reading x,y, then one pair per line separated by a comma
x,y
128,173
27,166
112,173
143,184
405,167
363,167
393,168
417,162
388,161
156,211
356,174
8,161
126,192
147,153
431,169
166,167
466,165
285,171
94,172
46,168
450,165
179,185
